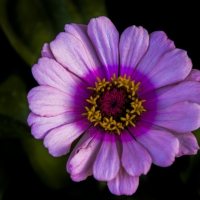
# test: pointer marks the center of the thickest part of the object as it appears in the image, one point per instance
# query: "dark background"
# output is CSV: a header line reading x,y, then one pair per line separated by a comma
x,y
20,179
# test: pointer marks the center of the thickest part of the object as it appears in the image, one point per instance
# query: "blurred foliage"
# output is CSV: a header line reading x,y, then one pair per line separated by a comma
x,y
13,108
35,22
13,101
51,170
191,175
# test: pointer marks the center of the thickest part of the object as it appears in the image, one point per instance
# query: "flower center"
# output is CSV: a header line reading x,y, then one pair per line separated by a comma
x,y
111,103
114,104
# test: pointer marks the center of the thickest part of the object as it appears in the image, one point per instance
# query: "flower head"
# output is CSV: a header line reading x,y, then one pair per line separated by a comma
x,y
133,99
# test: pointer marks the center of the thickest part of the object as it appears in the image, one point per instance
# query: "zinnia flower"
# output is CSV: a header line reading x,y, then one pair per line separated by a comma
x,y
133,99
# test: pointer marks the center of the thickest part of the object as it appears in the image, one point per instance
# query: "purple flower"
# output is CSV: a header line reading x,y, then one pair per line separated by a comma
x,y
134,99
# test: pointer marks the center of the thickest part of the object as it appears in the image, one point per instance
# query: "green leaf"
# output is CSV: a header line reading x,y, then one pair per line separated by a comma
x,y
29,24
13,101
191,176
13,108
11,128
51,170
90,9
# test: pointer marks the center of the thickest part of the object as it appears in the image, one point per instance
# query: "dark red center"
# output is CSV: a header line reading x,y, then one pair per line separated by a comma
x,y
112,102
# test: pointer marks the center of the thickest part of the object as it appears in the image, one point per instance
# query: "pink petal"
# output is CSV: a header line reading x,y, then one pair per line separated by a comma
x,y
180,117
173,67
71,53
106,165
51,73
80,32
80,162
133,44
105,39
161,145
47,101
187,144
59,140
184,91
123,183
46,51
40,126
194,75
135,158
159,44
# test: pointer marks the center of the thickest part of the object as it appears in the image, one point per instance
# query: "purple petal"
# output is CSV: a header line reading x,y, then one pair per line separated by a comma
x,y
46,51
133,44
40,126
135,158
80,162
187,144
152,95
51,73
181,117
161,145
105,39
47,101
71,53
106,165
123,183
173,67
59,140
194,75
159,44
80,32
184,91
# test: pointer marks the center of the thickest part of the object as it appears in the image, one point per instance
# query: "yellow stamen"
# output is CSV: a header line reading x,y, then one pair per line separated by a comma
x,y
128,116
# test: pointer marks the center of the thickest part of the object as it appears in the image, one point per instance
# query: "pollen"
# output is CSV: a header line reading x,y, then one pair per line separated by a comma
x,y
114,105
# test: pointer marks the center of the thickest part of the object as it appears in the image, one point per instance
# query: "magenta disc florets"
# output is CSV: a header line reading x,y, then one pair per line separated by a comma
x,y
112,102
